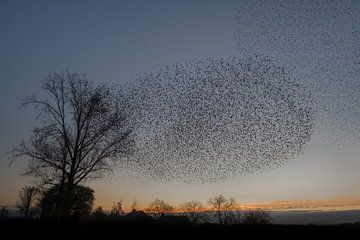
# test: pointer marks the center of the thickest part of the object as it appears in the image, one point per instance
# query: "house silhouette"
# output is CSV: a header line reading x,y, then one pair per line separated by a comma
x,y
138,216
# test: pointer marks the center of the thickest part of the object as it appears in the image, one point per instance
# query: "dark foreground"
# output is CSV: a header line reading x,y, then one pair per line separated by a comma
x,y
15,228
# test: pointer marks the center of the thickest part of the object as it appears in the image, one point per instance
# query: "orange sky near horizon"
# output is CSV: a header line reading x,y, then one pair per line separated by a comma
x,y
333,204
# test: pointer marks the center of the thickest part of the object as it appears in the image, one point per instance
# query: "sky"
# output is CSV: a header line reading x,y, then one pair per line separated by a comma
x,y
113,41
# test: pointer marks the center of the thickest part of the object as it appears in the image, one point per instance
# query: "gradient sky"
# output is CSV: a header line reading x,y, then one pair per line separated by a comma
x,y
114,40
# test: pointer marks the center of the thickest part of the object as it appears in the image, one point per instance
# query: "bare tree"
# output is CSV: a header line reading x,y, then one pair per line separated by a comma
x,y
26,202
159,207
194,210
99,214
222,205
83,131
116,209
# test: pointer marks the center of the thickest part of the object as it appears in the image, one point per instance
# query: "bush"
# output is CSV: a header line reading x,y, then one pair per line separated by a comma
x,y
80,202
256,217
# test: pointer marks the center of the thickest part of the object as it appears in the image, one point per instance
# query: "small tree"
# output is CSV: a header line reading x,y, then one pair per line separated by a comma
x,y
99,214
194,210
26,202
116,210
222,206
159,207
256,217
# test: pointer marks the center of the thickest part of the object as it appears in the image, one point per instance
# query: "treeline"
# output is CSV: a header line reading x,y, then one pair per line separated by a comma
x,y
36,203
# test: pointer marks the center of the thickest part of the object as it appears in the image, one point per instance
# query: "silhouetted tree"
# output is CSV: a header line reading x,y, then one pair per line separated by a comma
x,y
116,210
83,131
222,205
194,210
26,202
4,213
159,207
256,217
99,214
80,202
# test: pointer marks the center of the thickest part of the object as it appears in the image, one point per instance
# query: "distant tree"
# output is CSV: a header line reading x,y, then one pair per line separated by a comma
x,y
194,210
26,202
222,206
4,213
116,210
80,205
99,214
159,207
256,217
84,130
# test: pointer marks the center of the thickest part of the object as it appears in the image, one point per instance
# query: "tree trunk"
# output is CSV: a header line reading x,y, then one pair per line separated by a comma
x,y
68,197
59,208
27,209
219,215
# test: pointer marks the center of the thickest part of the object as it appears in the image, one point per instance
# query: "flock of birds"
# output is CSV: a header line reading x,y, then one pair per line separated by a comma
x,y
319,42
207,120
213,119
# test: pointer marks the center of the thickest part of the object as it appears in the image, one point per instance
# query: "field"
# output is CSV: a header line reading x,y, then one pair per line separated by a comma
x,y
93,229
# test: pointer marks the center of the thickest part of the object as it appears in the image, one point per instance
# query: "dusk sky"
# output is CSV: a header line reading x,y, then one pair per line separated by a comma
x,y
114,41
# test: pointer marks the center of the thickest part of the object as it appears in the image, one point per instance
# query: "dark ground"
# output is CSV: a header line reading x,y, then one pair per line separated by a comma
x,y
18,228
